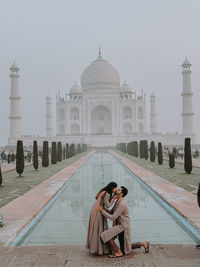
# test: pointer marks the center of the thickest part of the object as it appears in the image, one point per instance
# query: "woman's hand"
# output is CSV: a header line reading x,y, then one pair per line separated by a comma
x,y
100,208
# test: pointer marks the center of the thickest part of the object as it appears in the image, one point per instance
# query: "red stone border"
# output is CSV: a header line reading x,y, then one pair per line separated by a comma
x,y
181,200
19,212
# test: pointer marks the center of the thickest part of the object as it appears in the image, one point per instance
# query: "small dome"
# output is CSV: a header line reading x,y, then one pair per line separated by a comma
x,y
125,88
48,97
186,62
100,74
14,66
152,95
75,89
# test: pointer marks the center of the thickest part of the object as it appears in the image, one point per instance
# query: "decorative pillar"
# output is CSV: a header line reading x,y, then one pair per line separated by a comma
x,y
49,125
153,126
15,114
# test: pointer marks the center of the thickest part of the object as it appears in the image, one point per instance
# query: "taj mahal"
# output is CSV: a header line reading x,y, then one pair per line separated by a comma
x,y
102,111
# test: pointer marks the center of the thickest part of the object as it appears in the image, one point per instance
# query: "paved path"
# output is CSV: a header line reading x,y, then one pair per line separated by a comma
x,y
177,175
195,162
11,166
19,212
13,186
77,256
181,200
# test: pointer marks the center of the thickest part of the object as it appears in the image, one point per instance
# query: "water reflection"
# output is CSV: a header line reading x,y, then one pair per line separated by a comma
x,y
66,222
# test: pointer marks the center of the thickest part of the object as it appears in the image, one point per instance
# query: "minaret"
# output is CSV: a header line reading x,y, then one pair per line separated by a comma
x,y
15,114
153,126
187,114
49,125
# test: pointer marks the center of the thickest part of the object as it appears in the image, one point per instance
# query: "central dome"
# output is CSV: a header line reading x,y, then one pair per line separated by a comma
x,y
100,74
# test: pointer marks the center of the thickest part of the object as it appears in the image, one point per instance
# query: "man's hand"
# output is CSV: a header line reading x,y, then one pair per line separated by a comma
x,y
115,196
100,208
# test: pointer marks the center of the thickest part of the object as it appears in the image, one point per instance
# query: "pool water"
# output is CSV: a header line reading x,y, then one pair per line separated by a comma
x,y
66,220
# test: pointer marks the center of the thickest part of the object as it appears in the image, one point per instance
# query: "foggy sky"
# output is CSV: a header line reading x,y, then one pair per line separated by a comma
x,y
52,42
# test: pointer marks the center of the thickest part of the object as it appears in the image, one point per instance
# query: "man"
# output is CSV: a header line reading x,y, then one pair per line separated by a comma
x,y
121,227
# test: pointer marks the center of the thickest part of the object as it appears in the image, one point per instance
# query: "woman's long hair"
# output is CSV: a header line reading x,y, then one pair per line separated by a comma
x,y
108,188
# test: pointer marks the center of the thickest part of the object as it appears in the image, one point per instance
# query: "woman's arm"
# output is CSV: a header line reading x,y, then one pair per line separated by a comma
x,y
108,203
116,214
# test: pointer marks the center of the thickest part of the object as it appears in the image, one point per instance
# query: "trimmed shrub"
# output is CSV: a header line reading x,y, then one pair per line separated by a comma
x,y
198,196
171,160
160,154
45,154
187,156
128,148
67,151
53,153
79,149
59,151
136,149
124,148
1,178
72,150
64,153
141,149
131,148
20,158
35,155
146,154
152,152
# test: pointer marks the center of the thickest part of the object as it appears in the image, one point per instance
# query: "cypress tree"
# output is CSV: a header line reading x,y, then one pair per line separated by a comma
x,y
45,154
146,154
72,150
187,156
64,153
160,154
171,160
1,178
67,151
53,153
141,149
198,196
136,149
59,151
124,148
152,152
131,148
20,158
79,149
35,155
128,148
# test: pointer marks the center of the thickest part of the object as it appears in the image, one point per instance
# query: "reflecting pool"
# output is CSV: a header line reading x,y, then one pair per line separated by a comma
x,y
66,221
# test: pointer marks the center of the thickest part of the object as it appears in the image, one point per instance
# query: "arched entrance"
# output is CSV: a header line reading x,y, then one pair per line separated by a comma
x,y
101,121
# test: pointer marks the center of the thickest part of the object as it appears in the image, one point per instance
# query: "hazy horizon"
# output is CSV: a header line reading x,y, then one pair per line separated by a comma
x,y
52,42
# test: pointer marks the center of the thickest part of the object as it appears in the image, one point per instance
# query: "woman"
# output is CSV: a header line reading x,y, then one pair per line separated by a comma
x,y
97,222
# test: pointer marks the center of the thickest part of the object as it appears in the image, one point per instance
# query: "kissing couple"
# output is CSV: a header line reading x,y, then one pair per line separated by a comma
x,y
100,239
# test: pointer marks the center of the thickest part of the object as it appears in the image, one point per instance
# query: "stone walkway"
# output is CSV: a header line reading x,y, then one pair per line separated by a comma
x,y
5,167
13,186
181,200
77,256
19,212
176,175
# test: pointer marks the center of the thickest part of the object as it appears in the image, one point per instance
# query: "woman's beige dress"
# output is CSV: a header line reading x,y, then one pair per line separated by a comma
x,y
99,225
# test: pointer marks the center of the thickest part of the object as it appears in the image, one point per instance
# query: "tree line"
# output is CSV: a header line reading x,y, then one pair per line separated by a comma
x,y
142,150
55,154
